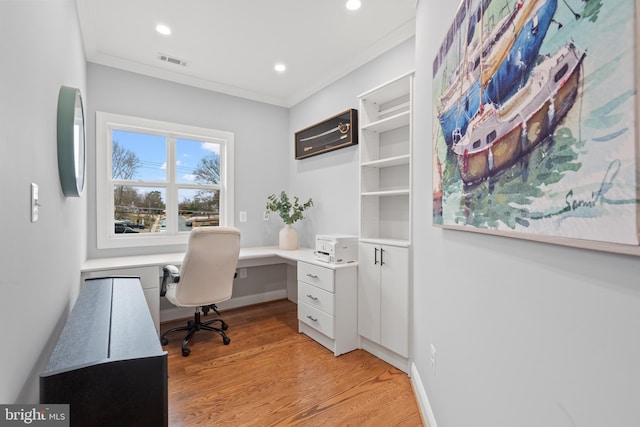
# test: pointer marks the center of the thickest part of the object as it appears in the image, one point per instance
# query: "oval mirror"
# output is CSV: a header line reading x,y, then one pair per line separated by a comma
x,y
71,141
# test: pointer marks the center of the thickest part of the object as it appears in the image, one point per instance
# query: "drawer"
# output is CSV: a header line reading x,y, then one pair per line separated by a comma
x,y
316,276
316,297
315,318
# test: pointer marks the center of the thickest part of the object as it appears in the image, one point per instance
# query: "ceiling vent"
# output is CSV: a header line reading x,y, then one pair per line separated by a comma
x,y
171,59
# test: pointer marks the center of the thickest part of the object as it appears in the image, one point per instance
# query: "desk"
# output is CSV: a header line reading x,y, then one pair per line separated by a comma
x,y
342,279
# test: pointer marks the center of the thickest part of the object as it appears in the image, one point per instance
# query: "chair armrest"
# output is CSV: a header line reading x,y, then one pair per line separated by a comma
x,y
170,274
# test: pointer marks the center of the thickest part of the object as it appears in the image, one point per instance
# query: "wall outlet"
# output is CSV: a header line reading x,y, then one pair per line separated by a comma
x,y
243,216
265,215
433,359
242,273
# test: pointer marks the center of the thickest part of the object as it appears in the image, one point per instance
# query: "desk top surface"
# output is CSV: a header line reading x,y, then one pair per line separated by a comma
x,y
261,255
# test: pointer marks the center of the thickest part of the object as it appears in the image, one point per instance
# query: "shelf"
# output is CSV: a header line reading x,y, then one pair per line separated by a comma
x,y
388,91
388,162
387,193
384,241
391,122
395,109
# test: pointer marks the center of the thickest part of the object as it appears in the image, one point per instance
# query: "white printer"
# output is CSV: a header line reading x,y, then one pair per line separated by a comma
x,y
336,248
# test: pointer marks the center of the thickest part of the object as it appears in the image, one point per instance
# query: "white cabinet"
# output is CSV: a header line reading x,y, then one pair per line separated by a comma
x,y
385,137
385,140
383,296
327,301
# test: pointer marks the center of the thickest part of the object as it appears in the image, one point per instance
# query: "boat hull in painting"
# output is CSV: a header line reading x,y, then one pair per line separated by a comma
x,y
518,129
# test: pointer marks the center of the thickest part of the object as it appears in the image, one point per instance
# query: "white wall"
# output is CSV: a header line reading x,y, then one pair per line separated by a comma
x,y
40,262
260,141
331,179
526,334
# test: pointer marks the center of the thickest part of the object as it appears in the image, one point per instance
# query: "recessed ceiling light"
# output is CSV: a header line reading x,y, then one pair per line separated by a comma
x,y
163,29
353,4
280,67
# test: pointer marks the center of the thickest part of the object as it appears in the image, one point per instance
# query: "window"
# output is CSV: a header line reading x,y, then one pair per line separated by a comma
x,y
560,74
492,137
158,180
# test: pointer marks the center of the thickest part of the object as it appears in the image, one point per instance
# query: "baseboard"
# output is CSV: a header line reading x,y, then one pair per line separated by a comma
x,y
385,354
423,400
169,314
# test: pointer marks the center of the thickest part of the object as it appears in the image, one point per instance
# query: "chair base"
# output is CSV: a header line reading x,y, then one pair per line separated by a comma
x,y
196,325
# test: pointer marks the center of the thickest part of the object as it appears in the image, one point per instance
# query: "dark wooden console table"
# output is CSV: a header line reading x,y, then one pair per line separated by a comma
x,y
108,364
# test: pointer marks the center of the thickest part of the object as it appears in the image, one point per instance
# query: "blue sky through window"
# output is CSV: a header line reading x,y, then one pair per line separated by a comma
x,y
151,150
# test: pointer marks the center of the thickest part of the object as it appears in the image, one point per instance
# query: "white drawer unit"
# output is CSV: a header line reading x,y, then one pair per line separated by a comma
x,y
320,277
328,305
317,319
316,297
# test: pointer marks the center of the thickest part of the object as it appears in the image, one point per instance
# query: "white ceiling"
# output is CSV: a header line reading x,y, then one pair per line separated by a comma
x,y
231,46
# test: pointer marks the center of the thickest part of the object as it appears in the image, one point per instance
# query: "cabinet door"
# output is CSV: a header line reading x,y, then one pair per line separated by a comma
x,y
394,294
369,291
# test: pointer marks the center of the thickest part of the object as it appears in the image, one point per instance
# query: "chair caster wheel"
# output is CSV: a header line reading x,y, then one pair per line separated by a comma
x,y
224,327
164,341
185,352
226,340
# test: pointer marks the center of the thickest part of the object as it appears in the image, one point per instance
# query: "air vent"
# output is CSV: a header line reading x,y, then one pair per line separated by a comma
x,y
171,59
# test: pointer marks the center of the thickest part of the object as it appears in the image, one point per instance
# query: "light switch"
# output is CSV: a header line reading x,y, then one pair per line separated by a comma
x,y
35,202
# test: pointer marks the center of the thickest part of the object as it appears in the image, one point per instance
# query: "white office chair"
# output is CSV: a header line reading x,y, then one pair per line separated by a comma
x,y
205,279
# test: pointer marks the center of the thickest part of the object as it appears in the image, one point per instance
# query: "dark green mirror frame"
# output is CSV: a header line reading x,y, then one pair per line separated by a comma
x,y
71,141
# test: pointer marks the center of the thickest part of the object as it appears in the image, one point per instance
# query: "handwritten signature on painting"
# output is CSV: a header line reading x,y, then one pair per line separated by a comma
x,y
577,205
596,196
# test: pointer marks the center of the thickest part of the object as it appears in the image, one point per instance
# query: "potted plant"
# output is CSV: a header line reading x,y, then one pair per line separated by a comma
x,y
290,211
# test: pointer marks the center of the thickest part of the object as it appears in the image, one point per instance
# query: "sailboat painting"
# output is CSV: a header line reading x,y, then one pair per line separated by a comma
x,y
534,121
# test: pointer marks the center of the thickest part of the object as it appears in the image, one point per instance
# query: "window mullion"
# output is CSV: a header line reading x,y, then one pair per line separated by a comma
x,y
172,188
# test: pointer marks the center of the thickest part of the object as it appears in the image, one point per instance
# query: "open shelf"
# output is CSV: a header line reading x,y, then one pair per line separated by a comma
x,y
388,162
385,162
388,123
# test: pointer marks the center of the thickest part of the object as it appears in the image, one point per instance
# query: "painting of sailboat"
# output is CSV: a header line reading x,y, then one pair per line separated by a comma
x,y
535,120
498,65
499,137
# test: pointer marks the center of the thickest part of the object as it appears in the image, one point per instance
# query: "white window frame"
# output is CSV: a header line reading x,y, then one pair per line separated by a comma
x,y
105,124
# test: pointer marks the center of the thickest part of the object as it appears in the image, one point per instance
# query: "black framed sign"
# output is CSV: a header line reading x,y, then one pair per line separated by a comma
x,y
335,132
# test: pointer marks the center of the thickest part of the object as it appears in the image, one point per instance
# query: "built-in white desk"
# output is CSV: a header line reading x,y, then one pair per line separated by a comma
x,y
326,297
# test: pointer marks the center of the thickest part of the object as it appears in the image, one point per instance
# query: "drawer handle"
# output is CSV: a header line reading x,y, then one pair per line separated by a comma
x,y
312,297
313,276
311,318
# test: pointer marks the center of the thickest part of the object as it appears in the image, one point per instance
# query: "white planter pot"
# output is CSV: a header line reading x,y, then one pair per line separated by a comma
x,y
288,238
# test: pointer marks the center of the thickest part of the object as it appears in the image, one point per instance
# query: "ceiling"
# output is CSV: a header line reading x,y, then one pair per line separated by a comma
x,y
231,46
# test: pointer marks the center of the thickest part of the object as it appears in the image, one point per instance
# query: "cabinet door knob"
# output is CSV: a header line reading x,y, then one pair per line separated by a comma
x,y
375,256
311,318
312,297
381,253
313,276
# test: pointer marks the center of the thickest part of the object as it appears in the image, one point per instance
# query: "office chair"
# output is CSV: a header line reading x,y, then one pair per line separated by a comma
x,y
205,279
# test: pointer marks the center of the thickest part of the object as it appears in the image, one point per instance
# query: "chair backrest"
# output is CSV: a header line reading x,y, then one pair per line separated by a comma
x,y
208,268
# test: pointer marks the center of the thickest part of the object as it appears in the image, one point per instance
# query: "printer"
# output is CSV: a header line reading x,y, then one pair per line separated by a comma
x,y
336,248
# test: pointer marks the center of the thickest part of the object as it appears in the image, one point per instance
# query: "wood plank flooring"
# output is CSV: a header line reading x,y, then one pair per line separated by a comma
x,y
270,375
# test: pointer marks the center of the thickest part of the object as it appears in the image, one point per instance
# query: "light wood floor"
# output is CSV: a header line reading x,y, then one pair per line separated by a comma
x,y
270,375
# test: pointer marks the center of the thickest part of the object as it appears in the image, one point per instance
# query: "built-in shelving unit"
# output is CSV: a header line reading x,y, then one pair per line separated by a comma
x,y
385,139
